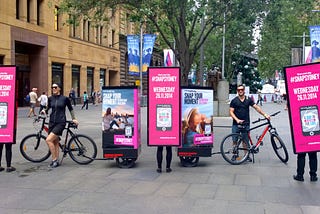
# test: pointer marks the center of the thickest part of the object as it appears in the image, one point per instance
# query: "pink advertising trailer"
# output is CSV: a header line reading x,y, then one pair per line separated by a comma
x,y
180,117
120,125
196,125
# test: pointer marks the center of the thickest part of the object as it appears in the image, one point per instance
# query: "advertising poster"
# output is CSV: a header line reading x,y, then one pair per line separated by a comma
x,y
148,43
120,116
7,104
133,42
163,106
314,40
196,116
302,84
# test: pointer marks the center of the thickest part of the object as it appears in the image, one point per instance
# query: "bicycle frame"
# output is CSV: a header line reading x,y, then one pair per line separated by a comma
x,y
261,137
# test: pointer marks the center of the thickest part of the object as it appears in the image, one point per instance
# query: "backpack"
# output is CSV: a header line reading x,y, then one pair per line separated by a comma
x,y
27,98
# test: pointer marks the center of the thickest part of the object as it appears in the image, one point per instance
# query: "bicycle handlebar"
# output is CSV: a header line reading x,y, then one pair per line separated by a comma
x,y
71,124
262,119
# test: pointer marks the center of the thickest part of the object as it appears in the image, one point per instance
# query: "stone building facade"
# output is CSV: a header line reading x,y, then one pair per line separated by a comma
x,y
34,37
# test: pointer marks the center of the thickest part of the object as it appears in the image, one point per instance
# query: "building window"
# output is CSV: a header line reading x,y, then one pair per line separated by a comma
x,y
28,10
57,73
76,79
102,80
1,60
56,18
113,37
17,9
84,29
89,26
90,84
39,11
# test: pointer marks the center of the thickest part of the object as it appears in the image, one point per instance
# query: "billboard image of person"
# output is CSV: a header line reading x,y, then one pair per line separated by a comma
x,y
119,116
197,113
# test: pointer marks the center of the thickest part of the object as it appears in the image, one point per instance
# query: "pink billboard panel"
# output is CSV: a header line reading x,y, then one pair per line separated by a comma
x,y
302,84
7,104
164,106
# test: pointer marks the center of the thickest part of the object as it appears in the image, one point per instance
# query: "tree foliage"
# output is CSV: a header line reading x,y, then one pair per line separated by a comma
x,y
282,30
180,20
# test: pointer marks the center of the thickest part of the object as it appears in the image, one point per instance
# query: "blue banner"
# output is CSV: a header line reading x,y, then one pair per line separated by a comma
x,y
133,42
148,43
315,40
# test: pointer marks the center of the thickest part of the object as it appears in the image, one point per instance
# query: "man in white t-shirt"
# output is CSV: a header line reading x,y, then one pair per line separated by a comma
x,y
33,101
43,99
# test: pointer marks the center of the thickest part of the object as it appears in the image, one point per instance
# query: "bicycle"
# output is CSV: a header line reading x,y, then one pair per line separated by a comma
x,y
235,149
81,148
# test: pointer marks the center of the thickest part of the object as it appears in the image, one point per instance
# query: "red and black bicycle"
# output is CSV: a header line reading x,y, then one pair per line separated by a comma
x,y
236,148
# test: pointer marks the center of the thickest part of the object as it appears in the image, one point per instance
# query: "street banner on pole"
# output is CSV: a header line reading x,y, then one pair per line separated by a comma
x,y
133,42
315,40
168,56
148,43
302,86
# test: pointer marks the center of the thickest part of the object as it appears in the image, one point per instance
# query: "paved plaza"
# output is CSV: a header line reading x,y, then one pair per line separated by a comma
x,y
214,186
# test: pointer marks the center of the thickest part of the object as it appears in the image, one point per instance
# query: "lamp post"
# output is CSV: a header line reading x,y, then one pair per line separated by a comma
x,y
223,44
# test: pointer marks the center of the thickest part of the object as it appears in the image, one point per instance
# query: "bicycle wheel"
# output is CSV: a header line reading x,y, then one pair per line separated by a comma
x,y
189,161
279,148
34,148
234,149
82,149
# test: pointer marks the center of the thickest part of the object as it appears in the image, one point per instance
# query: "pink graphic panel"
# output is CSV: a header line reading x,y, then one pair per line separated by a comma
x,y
163,106
302,84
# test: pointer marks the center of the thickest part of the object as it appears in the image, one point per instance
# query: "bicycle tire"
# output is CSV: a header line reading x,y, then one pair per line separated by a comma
x,y
234,153
279,148
189,161
125,162
82,149
34,149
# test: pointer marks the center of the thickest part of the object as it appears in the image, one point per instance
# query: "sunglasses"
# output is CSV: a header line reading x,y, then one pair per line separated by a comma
x,y
54,87
240,89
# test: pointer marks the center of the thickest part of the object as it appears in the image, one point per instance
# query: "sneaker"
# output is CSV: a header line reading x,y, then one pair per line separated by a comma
x,y
159,170
298,178
168,170
313,178
1,169
54,164
11,169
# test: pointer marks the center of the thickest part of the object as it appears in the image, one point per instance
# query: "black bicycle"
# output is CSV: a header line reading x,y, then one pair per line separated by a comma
x,y
235,149
81,148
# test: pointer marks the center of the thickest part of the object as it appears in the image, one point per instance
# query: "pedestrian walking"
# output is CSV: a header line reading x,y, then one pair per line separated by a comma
x,y
33,101
85,100
72,96
43,99
93,97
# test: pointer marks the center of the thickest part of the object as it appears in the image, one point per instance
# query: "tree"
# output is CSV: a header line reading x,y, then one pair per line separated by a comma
x,y
282,29
177,20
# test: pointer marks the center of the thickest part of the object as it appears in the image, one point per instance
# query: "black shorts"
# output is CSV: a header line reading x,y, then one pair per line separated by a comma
x,y
56,128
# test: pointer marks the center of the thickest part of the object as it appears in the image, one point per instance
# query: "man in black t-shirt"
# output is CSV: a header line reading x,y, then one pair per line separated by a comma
x,y
239,111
